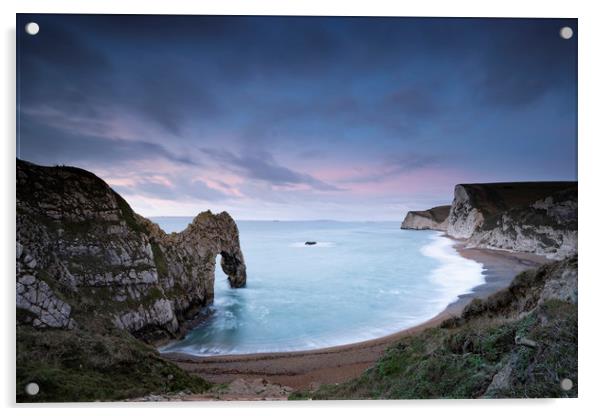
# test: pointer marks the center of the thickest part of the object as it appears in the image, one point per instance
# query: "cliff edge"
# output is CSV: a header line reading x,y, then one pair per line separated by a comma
x,y
431,219
81,249
532,217
88,267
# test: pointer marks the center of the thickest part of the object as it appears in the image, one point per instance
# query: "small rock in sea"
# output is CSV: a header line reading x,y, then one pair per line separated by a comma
x,y
310,243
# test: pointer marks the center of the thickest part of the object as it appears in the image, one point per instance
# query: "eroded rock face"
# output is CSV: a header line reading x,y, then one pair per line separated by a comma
x,y
464,216
44,308
548,227
83,254
531,217
432,219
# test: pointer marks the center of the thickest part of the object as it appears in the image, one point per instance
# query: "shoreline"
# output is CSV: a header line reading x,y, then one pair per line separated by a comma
x,y
309,368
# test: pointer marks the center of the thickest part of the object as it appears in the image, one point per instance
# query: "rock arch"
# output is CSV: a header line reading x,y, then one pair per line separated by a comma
x,y
84,255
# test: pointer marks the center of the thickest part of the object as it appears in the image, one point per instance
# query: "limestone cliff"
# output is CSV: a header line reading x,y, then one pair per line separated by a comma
x,y
432,219
84,256
547,227
531,217
534,217
473,203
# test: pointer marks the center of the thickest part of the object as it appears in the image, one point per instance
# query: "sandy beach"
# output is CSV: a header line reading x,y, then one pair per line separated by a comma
x,y
307,369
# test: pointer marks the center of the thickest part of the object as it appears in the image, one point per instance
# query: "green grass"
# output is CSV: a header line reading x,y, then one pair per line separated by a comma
x,y
461,362
94,361
539,371
84,366
128,214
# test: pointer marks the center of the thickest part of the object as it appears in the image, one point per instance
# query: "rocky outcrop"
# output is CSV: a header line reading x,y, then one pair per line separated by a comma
x,y
465,215
548,227
532,217
84,257
43,308
473,204
432,219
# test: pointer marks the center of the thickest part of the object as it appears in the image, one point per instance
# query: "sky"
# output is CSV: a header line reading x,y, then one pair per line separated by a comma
x,y
297,118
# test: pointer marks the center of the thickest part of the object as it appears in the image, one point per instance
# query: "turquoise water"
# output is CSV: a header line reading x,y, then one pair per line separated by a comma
x,y
361,281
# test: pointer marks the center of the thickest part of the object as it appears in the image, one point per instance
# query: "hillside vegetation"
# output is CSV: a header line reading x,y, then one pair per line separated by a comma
x,y
98,285
520,342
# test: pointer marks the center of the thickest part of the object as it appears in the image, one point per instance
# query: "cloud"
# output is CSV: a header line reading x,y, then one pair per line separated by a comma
x,y
74,74
394,166
412,101
340,100
61,70
46,144
170,187
528,63
170,97
261,165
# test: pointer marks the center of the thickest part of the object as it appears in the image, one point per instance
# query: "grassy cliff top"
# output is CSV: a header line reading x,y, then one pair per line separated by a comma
x,y
437,214
496,197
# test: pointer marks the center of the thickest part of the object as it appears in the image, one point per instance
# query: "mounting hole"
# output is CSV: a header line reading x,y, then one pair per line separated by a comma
x,y
566,32
32,389
566,384
32,28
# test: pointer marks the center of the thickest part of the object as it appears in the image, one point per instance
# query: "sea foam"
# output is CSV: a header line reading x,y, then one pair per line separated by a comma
x,y
456,275
360,281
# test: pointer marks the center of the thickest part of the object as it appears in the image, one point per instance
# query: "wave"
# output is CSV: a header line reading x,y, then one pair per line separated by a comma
x,y
425,274
456,275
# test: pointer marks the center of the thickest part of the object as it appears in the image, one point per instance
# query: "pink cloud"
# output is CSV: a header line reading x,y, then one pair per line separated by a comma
x,y
424,180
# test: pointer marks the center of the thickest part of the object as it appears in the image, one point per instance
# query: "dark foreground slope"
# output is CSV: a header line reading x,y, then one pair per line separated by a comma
x,y
95,282
92,365
520,342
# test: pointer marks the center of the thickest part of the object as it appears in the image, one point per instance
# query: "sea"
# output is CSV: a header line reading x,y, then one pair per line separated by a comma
x,y
360,281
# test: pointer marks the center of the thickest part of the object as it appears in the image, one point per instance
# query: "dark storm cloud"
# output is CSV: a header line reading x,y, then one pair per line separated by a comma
x,y
530,61
74,72
169,100
60,70
413,101
61,48
493,95
261,165
48,145
394,166
184,69
177,188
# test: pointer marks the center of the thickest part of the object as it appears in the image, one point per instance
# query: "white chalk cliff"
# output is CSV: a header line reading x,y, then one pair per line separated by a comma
x,y
84,257
530,217
431,219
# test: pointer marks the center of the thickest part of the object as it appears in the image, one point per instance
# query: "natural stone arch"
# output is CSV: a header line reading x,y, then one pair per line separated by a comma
x,y
234,267
108,263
